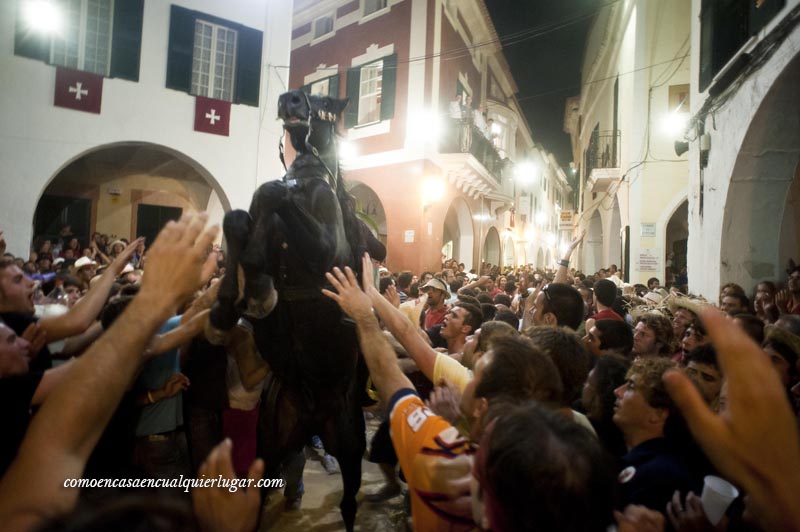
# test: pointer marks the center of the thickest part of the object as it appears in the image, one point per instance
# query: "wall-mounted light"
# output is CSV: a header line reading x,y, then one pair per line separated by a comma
x,y
432,191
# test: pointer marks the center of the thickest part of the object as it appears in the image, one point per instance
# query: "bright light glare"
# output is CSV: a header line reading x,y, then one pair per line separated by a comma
x,y
425,127
541,217
347,150
674,124
481,217
530,234
496,128
564,248
42,16
551,239
525,172
432,191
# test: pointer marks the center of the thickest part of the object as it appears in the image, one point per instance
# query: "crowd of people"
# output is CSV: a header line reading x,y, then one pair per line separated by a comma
x,y
512,399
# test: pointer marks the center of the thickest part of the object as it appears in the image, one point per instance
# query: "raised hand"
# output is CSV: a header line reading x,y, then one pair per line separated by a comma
x,y
755,441
176,383
445,401
349,296
36,337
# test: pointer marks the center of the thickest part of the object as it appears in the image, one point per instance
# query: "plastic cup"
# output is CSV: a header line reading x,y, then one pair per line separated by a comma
x,y
717,495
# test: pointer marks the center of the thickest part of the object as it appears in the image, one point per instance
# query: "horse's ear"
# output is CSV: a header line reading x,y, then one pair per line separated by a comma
x,y
341,105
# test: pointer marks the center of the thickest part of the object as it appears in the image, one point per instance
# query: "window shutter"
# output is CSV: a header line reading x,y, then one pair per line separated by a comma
x,y
353,87
388,86
306,88
333,86
760,16
29,43
127,41
248,66
181,47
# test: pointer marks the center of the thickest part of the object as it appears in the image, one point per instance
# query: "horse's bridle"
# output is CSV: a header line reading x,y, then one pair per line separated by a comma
x,y
325,117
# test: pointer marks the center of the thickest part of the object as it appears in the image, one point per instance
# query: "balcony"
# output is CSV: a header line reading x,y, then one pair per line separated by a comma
x,y
602,160
471,162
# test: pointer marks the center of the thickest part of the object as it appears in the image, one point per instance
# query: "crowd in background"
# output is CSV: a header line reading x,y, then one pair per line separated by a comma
x,y
511,398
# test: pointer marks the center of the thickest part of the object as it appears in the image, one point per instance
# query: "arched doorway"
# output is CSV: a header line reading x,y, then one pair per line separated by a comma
x,y
677,239
508,251
593,246
548,261
540,259
369,209
458,240
614,237
522,255
789,242
756,233
125,190
491,247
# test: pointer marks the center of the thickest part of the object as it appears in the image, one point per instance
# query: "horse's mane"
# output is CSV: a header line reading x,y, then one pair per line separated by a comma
x,y
352,229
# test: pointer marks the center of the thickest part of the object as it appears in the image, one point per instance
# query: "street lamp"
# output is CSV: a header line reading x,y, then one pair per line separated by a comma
x,y
42,16
526,172
347,151
432,191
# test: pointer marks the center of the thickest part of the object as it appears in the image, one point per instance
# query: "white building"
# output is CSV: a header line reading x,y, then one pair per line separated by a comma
x,y
744,188
139,160
634,98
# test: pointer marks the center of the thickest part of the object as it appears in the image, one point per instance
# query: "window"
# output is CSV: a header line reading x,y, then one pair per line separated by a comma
x,y
213,60
85,42
214,57
371,89
369,95
371,6
323,26
99,36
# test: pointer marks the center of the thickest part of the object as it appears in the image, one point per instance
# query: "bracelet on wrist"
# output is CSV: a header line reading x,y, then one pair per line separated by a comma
x,y
150,397
564,263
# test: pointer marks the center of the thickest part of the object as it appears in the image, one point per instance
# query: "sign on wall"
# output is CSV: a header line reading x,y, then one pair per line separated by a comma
x,y
649,261
409,236
648,230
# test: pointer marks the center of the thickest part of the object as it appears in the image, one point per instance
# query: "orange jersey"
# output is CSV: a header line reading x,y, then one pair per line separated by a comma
x,y
422,440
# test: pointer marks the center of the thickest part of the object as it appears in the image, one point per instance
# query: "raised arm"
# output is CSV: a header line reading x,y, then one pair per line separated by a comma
x,y
399,325
86,310
562,273
67,427
379,355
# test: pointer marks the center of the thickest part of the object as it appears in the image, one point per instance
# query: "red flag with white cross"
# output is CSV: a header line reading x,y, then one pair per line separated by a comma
x,y
212,116
75,89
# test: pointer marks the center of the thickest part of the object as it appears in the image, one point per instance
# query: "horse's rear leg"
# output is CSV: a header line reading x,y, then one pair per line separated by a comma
x,y
236,227
344,439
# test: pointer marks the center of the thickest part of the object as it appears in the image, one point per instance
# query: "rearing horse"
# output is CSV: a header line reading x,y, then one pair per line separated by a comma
x,y
299,228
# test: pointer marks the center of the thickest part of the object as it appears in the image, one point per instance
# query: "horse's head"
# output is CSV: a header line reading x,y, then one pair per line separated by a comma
x,y
301,112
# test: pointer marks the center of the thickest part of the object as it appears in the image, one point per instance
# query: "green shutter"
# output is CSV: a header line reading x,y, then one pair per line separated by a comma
x,y
127,42
306,88
248,66
29,43
353,86
333,86
181,47
388,86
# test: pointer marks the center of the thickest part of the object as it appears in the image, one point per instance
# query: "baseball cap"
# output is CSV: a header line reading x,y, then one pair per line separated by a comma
x,y
437,284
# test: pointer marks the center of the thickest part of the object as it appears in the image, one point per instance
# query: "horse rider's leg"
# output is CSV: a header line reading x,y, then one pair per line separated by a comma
x,y
236,227
259,290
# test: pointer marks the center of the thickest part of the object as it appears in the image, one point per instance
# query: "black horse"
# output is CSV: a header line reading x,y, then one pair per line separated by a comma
x,y
297,229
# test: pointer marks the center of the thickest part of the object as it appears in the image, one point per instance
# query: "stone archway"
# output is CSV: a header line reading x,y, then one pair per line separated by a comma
x,y
125,190
491,247
509,251
676,242
593,246
614,237
758,226
540,259
369,208
458,233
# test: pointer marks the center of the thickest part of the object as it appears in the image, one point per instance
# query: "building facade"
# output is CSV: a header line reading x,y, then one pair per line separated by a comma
x,y
432,187
634,101
120,114
744,142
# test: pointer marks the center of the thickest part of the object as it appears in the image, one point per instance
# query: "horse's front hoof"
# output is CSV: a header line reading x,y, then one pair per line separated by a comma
x,y
261,309
216,336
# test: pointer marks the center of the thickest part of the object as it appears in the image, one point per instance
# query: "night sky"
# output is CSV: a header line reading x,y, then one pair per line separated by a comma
x,y
543,42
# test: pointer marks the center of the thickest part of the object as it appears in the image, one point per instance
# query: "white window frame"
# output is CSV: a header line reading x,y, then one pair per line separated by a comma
x,y
376,94
328,33
84,15
209,88
377,10
319,82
